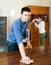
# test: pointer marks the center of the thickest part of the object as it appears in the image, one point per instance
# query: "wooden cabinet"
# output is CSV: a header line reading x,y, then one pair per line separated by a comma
x,y
34,33
34,36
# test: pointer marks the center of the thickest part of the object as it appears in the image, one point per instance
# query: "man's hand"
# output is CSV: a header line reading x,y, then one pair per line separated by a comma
x,y
27,60
29,44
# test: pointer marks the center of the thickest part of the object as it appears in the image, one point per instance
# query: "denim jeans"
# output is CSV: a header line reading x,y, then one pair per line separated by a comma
x,y
12,46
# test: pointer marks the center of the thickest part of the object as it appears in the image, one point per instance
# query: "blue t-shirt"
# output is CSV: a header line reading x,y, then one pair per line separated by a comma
x,y
17,31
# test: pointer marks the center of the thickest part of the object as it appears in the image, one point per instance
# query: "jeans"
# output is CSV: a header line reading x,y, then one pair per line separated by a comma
x,y
12,46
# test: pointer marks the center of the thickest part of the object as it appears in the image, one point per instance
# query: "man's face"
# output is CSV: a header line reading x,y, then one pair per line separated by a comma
x,y
26,16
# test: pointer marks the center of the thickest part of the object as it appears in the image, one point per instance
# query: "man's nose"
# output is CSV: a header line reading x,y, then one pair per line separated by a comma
x,y
27,17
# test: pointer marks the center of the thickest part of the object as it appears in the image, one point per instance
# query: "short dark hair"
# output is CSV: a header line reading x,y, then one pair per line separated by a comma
x,y
25,9
41,16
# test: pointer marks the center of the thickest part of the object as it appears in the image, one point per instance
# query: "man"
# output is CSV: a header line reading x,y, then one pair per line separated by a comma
x,y
18,33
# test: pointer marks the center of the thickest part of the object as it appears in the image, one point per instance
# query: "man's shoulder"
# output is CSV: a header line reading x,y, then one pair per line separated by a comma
x,y
17,20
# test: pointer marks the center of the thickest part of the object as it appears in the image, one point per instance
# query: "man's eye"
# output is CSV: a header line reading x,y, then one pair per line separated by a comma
x,y
29,15
25,15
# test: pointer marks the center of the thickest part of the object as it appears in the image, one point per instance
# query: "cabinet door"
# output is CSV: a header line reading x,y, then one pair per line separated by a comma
x,y
34,34
34,9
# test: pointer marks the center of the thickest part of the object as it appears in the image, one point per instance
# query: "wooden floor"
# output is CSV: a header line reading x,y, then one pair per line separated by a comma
x,y
40,56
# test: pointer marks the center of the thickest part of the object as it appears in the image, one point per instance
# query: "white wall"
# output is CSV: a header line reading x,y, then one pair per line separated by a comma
x,y
7,5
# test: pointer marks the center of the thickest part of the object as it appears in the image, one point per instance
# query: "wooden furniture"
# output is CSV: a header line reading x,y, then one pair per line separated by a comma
x,y
40,56
34,36
8,24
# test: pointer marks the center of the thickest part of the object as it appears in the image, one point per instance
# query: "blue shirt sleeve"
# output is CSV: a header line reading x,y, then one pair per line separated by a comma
x,y
17,32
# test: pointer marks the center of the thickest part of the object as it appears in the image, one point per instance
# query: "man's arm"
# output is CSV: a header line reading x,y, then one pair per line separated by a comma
x,y
21,49
25,59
